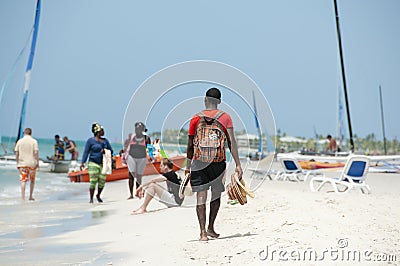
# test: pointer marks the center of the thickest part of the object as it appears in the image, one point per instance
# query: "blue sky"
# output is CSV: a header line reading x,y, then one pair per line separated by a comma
x,y
92,55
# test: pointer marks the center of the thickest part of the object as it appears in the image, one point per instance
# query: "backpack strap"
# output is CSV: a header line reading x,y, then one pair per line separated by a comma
x,y
216,116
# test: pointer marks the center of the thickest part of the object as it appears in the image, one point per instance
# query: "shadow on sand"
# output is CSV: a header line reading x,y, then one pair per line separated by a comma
x,y
227,237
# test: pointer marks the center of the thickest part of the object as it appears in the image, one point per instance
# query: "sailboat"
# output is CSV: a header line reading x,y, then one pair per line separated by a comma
x,y
8,159
390,163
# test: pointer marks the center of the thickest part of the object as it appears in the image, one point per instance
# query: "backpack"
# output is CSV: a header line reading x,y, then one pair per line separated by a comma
x,y
209,139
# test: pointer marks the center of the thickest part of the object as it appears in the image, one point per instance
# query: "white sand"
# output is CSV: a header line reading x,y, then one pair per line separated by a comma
x,y
284,217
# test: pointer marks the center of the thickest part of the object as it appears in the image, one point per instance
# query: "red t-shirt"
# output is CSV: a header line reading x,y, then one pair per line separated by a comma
x,y
225,120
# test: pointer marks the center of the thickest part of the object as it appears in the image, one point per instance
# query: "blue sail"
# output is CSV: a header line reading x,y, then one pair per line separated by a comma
x,y
340,118
257,126
11,73
28,71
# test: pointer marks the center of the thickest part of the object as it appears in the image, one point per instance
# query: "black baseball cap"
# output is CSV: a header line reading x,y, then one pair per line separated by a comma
x,y
214,93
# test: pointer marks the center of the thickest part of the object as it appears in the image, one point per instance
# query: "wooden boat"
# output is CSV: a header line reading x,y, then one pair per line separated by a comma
x,y
121,171
59,166
311,165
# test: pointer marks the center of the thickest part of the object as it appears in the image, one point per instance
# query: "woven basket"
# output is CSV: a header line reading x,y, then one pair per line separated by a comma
x,y
185,189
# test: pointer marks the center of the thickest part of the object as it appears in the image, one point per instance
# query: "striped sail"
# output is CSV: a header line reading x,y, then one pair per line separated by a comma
x,y
29,71
257,126
340,122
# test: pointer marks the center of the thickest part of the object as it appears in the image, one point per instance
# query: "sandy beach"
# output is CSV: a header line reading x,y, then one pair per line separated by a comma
x,y
284,224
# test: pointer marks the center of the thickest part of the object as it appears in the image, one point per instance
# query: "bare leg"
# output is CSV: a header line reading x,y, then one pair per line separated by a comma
x,y
201,213
131,182
138,181
99,190
214,208
32,186
151,191
91,193
23,185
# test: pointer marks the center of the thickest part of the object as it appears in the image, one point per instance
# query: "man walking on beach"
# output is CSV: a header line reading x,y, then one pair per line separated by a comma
x,y
208,133
27,156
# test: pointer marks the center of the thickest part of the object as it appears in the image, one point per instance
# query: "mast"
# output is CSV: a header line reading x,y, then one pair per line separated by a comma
x,y
28,71
383,122
340,118
344,77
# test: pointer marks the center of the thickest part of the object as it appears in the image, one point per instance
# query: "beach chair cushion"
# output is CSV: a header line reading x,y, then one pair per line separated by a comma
x,y
290,165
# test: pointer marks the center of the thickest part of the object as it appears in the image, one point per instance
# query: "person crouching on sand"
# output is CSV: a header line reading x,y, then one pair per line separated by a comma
x,y
169,197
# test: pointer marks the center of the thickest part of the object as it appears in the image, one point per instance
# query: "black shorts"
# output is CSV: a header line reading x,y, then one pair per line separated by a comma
x,y
206,175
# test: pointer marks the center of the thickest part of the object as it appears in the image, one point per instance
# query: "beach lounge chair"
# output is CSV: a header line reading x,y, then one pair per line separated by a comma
x,y
257,173
292,170
352,176
263,168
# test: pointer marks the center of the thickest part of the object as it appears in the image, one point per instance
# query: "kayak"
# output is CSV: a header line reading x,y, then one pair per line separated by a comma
x,y
311,165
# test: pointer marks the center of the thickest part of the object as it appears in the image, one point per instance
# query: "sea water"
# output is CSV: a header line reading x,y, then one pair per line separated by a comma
x,y
46,147
48,185
59,206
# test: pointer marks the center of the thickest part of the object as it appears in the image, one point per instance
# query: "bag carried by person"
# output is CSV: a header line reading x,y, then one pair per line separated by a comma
x,y
185,189
107,162
209,139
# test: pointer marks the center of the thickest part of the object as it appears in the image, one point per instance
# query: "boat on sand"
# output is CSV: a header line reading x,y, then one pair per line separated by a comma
x,y
60,166
121,170
311,165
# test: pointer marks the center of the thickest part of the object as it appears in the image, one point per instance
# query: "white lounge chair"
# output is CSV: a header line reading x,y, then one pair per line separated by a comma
x,y
292,170
257,173
352,176
263,169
